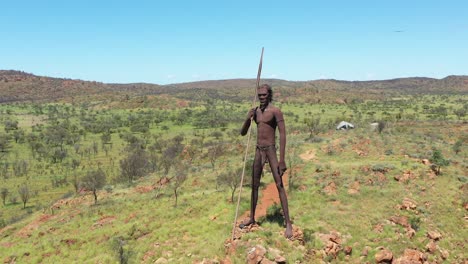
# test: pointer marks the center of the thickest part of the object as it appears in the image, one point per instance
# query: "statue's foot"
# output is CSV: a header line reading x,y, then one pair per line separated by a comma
x,y
247,223
288,233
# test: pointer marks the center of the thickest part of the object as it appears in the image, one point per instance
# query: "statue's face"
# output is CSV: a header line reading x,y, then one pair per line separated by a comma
x,y
262,94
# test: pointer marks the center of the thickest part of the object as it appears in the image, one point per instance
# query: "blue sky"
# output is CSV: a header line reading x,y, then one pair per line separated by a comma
x,y
181,41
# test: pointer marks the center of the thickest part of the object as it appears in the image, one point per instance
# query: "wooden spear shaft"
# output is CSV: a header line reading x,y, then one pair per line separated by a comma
x,y
247,146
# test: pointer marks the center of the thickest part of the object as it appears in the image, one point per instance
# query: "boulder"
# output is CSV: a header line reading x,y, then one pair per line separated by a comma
x,y
431,246
383,256
434,235
256,254
411,256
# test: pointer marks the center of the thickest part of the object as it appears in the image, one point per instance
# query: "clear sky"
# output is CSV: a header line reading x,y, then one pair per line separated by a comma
x,y
181,41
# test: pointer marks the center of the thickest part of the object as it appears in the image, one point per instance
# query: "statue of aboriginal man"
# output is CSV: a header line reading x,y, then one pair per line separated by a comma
x,y
268,118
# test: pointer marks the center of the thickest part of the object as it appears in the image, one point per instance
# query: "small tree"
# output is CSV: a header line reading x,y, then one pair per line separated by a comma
x,y
171,154
24,193
192,150
93,181
179,179
460,113
215,152
18,135
76,183
75,163
106,138
135,165
4,142
4,194
381,126
230,178
10,125
457,147
313,124
4,167
217,134
59,155
20,168
438,161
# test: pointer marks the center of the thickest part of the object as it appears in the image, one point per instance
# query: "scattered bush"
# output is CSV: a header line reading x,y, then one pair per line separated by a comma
x,y
383,168
274,214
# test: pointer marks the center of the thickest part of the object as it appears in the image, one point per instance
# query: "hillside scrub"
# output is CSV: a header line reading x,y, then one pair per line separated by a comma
x,y
361,188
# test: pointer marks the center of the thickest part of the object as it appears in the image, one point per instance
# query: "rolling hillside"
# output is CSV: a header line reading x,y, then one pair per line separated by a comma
x,y
145,173
18,86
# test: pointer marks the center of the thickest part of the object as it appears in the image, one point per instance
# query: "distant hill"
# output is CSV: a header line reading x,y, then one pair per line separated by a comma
x,y
16,86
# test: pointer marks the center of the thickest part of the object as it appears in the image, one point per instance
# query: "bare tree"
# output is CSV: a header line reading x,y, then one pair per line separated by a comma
x,y
230,178
76,183
215,152
171,154
193,149
179,179
4,194
25,194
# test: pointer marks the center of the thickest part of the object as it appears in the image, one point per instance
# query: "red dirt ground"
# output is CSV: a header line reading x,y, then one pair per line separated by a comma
x,y
269,196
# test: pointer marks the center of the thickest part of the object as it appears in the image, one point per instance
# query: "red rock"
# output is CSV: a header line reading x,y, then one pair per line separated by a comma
x,y
256,254
348,250
365,251
400,220
434,235
431,246
408,204
444,253
410,256
280,259
383,256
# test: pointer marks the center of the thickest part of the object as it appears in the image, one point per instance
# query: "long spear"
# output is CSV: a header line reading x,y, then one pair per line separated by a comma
x,y
247,147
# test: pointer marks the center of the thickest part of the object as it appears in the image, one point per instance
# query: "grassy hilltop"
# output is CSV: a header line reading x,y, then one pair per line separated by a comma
x,y
144,173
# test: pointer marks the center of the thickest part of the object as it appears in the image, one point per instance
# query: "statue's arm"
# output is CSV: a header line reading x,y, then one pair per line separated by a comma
x,y
247,122
282,141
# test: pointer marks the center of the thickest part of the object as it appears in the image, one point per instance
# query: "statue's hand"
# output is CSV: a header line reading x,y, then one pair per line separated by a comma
x,y
282,167
251,113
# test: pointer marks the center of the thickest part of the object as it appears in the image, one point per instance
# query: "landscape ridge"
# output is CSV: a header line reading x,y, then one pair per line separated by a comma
x,y
22,86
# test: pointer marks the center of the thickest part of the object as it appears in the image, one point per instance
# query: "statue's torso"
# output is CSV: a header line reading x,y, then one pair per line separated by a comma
x,y
266,125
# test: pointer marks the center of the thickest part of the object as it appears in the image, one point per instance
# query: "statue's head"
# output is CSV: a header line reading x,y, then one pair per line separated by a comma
x,y
265,89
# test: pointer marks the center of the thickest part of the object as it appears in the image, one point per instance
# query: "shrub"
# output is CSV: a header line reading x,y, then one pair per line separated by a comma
x,y
135,165
274,214
315,139
438,160
383,168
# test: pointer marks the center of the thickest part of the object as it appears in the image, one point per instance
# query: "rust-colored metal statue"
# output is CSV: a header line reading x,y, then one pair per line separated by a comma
x,y
268,118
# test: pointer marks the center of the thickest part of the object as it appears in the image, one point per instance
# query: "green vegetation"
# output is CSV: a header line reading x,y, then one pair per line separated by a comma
x,y
166,175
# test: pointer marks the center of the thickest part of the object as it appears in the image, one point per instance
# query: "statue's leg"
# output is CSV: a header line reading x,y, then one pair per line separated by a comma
x,y
274,166
257,168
